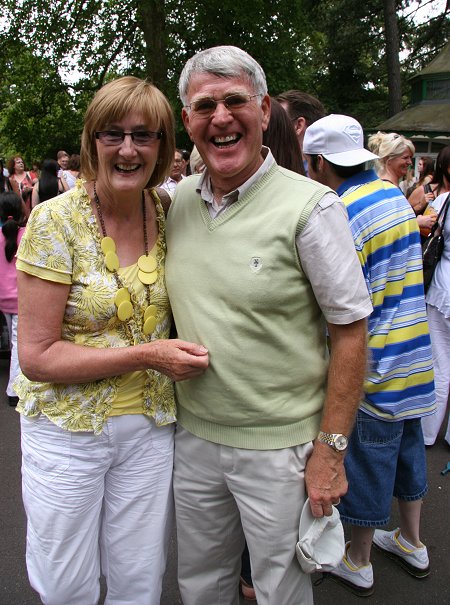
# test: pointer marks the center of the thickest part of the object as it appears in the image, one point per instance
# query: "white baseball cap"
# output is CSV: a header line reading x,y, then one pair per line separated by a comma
x,y
321,543
339,139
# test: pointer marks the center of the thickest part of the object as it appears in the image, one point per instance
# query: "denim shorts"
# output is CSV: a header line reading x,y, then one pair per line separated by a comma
x,y
384,459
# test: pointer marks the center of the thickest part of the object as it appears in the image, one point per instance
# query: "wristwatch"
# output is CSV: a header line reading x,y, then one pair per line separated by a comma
x,y
337,441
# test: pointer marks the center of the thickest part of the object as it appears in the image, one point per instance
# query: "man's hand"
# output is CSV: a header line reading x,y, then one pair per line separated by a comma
x,y
325,474
325,479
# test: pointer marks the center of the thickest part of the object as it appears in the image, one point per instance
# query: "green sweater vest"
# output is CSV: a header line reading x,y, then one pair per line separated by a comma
x,y
236,286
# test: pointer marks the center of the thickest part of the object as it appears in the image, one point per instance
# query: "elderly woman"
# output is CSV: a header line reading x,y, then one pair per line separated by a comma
x,y
96,394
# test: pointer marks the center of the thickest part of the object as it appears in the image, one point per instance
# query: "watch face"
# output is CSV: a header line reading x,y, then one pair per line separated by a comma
x,y
341,442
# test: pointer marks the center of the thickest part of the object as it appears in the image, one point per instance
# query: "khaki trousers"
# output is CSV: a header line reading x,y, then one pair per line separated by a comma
x,y
223,494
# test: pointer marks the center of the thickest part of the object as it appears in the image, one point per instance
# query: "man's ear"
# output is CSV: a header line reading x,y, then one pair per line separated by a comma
x,y
265,108
300,126
185,118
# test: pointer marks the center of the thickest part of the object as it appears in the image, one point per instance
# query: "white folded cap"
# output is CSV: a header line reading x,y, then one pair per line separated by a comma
x,y
321,543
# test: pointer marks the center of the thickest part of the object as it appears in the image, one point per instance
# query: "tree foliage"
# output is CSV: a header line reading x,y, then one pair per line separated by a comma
x,y
64,50
37,115
359,56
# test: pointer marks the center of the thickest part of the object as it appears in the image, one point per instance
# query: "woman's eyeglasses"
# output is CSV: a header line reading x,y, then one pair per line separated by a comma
x,y
207,106
117,137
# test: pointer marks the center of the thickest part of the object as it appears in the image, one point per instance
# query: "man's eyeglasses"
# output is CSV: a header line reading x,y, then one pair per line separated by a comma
x,y
207,106
117,137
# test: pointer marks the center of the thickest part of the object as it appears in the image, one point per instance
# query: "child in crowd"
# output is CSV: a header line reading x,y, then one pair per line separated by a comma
x,y
11,217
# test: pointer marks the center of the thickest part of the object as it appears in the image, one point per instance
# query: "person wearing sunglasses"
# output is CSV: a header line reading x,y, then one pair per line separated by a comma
x,y
96,395
257,286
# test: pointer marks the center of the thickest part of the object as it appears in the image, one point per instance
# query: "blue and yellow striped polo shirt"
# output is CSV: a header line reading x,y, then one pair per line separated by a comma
x,y
399,383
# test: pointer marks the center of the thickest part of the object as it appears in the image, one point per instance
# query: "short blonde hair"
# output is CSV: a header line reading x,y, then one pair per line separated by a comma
x,y
112,103
388,145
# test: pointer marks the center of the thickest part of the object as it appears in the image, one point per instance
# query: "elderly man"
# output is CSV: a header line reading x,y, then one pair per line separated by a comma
x,y
259,260
386,453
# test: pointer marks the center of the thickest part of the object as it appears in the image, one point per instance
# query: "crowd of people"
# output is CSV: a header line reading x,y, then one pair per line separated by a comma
x,y
222,334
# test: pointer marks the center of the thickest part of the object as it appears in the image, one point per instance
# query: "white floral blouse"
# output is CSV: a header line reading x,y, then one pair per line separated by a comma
x,y
62,244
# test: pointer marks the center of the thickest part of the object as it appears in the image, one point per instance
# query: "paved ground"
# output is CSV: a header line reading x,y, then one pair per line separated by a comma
x,y
393,586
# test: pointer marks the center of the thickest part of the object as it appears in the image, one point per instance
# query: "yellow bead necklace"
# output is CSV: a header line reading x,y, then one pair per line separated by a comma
x,y
147,272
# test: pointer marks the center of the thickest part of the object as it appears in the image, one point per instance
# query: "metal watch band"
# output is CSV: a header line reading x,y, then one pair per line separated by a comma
x,y
337,441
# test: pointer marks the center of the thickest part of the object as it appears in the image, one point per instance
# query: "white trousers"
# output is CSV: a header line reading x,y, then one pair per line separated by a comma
x,y
96,501
439,327
14,368
223,493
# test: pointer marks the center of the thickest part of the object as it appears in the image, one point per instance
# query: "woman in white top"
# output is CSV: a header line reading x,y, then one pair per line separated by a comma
x,y
438,309
69,176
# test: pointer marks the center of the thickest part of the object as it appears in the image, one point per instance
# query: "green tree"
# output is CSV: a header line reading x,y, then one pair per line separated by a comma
x,y
391,35
360,70
103,39
338,50
37,115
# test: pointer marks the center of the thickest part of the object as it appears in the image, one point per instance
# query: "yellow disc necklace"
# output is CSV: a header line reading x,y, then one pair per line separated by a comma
x,y
147,271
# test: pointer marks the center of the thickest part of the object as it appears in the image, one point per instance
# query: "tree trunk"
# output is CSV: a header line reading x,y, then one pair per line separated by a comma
x,y
392,57
153,24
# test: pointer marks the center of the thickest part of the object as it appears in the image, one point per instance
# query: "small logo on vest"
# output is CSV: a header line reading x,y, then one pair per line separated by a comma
x,y
256,264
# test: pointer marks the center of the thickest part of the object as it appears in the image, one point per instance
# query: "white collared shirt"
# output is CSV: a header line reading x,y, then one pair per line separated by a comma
x,y
170,185
205,188
323,244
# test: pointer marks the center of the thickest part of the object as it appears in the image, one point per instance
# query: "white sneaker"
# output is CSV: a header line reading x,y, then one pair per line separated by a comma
x,y
359,580
414,560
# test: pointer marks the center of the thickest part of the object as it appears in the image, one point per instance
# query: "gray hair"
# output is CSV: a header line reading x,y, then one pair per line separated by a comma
x,y
224,62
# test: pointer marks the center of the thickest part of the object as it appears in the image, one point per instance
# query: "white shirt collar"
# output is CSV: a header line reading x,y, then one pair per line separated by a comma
x,y
204,187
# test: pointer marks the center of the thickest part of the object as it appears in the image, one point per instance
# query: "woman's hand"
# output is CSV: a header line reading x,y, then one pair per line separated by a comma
x,y
178,359
426,221
429,197
45,357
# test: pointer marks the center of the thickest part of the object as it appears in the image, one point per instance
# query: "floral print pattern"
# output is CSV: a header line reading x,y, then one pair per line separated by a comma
x,y
62,243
